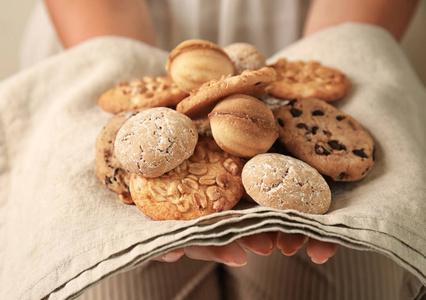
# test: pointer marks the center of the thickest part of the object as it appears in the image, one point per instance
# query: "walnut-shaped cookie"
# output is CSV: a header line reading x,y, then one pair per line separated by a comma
x,y
243,125
194,62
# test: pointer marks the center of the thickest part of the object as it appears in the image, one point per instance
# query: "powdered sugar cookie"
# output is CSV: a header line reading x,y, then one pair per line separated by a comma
x,y
155,141
283,182
245,56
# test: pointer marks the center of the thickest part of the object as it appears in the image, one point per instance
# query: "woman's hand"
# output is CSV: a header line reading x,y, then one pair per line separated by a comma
x,y
234,254
318,251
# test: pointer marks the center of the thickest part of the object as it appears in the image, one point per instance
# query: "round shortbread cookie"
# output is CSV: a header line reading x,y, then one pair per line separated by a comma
x,y
208,182
325,137
283,182
145,92
202,100
299,80
109,170
155,141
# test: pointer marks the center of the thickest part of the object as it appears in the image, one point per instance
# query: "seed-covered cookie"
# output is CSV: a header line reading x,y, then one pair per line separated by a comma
x,y
145,92
283,182
208,182
155,141
202,100
300,79
109,170
325,137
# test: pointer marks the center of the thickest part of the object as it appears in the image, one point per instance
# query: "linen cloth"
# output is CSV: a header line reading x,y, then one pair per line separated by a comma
x,y
62,231
350,274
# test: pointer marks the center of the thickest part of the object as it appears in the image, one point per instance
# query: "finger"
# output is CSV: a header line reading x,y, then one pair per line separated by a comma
x,y
290,243
261,244
171,256
319,251
232,254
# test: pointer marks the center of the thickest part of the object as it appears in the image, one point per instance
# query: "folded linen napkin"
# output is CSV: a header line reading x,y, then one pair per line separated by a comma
x,y
62,231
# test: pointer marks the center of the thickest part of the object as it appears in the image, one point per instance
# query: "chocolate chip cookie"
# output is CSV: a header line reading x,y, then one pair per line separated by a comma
x,y
325,137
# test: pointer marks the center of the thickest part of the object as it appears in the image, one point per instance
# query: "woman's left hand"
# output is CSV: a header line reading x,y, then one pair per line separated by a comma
x,y
234,254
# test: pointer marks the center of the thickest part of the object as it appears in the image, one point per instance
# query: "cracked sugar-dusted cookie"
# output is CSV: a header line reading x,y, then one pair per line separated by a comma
x,y
325,137
155,141
310,79
208,182
202,100
245,56
109,170
283,182
145,92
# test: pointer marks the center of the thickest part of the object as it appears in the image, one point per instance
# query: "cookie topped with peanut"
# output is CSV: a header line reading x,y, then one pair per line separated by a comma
x,y
207,182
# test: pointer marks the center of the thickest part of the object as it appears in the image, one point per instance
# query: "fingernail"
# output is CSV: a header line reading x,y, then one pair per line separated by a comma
x,y
289,253
266,248
236,261
320,261
171,256
234,264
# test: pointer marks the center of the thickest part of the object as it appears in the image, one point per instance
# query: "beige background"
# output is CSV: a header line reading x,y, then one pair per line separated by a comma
x,y
13,16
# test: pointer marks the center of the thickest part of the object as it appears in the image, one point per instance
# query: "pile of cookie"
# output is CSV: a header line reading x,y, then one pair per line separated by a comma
x,y
222,126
